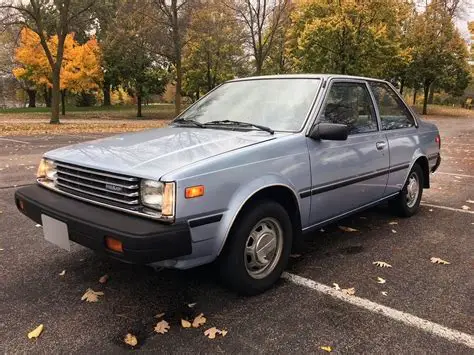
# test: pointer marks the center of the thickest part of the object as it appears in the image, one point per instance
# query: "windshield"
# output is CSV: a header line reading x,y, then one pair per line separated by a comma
x,y
281,104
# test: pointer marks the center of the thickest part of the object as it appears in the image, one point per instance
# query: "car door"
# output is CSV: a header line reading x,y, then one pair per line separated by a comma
x,y
347,174
400,129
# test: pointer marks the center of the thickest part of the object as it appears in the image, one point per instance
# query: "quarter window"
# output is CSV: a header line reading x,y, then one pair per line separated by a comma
x,y
393,112
350,104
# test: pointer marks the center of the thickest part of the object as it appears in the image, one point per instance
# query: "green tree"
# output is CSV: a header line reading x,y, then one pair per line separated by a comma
x,y
130,46
214,51
347,37
439,55
171,21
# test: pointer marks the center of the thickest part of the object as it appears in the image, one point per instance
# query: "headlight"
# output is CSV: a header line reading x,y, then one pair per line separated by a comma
x,y
159,196
47,170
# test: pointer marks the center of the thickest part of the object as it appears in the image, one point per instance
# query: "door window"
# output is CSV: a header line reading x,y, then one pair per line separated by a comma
x,y
393,112
350,104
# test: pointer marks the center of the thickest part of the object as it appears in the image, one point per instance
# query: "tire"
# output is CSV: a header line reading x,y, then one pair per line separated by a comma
x,y
240,267
405,204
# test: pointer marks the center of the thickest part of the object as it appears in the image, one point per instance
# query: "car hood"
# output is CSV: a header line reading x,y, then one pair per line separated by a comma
x,y
153,153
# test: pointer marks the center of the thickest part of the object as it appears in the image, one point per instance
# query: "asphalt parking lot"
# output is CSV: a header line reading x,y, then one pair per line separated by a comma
x,y
434,302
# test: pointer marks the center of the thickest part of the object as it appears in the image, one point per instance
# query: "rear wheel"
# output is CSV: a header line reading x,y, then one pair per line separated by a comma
x,y
257,250
407,203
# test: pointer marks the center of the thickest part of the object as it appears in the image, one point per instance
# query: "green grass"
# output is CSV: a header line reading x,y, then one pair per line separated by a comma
x,y
114,108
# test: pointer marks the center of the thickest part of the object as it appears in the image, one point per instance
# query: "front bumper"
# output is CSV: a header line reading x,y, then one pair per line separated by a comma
x,y
144,241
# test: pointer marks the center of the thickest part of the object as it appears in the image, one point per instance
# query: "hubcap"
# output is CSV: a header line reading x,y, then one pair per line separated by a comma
x,y
413,189
263,248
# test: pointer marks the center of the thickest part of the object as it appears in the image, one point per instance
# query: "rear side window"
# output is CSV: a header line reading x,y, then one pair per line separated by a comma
x,y
350,104
393,112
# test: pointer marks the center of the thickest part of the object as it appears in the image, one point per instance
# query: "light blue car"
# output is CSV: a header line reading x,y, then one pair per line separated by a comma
x,y
238,177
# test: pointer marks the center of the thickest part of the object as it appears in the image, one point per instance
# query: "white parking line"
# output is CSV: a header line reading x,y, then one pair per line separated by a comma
x,y
452,335
13,140
447,208
454,174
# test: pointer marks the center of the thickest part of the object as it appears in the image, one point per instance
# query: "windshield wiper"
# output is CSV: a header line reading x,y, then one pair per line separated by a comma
x,y
242,124
193,122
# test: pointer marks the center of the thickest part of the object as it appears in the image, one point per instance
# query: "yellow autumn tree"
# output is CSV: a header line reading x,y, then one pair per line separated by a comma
x,y
80,71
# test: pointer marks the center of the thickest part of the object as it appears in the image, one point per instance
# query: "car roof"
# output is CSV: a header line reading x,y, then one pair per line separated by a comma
x,y
306,76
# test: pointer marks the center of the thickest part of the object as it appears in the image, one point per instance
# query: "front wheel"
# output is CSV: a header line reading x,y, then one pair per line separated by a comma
x,y
258,248
407,203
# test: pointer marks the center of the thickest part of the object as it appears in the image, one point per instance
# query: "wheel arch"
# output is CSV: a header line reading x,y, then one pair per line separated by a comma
x,y
278,192
422,161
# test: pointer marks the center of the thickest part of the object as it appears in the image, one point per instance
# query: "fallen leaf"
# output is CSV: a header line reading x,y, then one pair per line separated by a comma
x,y
465,208
62,273
349,291
159,315
468,201
295,256
212,332
394,231
130,339
381,264
336,286
393,223
347,229
191,305
91,295
326,348
381,280
384,293
439,261
162,327
199,320
103,279
185,323
35,333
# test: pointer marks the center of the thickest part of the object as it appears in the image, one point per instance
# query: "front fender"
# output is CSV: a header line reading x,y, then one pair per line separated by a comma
x,y
245,193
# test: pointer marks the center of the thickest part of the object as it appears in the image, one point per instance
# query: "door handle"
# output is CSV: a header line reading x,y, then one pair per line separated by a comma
x,y
380,145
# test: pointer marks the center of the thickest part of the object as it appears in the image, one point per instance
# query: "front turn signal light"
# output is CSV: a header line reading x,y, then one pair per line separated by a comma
x,y
114,244
194,191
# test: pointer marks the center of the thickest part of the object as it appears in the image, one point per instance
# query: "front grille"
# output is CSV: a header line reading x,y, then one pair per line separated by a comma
x,y
98,185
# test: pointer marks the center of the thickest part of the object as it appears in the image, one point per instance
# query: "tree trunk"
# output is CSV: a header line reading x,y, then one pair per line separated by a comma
x,y
139,103
425,98
106,91
431,94
415,91
31,97
402,86
55,92
63,102
258,66
47,96
177,95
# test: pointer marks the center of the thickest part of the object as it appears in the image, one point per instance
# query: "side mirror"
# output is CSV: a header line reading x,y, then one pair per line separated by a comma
x,y
329,131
